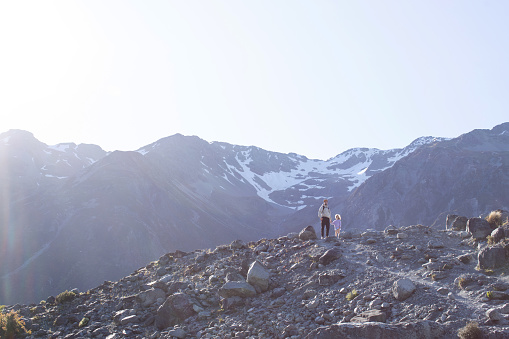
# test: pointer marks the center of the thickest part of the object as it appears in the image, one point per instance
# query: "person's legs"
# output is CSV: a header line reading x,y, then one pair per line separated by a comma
x,y
327,225
323,225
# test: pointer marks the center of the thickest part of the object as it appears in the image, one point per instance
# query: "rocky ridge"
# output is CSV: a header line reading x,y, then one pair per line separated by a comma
x,y
408,282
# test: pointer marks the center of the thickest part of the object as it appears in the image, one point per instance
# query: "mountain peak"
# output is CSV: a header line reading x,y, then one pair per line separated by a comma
x,y
15,136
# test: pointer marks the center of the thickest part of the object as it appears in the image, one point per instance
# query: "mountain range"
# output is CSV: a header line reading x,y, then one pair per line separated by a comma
x,y
67,207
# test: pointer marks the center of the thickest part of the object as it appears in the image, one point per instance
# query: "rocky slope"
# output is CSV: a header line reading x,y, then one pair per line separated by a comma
x,y
465,175
66,207
408,282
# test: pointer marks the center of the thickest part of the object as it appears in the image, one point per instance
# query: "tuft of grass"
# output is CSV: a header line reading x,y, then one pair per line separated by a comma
x,y
470,331
495,218
462,283
351,295
12,326
83,322
65,297
490,239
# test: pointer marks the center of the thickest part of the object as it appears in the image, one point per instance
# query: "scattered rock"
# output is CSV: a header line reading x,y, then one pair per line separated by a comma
x,y
237,289
175,310
460,224
449,220
258,275
479,228
308,234
329,256
492,257
403,288
369,316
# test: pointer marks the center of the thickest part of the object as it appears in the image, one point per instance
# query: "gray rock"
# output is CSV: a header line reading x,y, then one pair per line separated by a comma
x,y
479,228
433,244
403,288
308,233
290,331
175,310
459,224
258,275
465,258
498,234
494,315
149,297
237,245
277,292
421,329
329,256
329,278
237,289
450,219
292,235
234,276
498,295
391,230
492,257
368,316
177,333
130,319
231,303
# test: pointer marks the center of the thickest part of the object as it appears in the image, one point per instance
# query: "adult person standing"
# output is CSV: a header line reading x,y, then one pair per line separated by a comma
x,y
324,215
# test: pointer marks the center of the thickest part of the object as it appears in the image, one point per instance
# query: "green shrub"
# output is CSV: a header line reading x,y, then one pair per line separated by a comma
x,y
83,322
470,331
351,295
11,325
65,297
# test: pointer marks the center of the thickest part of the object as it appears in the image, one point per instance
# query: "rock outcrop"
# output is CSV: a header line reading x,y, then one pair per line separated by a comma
x,y
407,282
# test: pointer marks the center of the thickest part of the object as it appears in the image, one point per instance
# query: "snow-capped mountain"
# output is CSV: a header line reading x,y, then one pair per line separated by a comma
x,y
66,207
287,180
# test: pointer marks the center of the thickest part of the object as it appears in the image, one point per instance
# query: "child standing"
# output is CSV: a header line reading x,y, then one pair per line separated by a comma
x,y
337,225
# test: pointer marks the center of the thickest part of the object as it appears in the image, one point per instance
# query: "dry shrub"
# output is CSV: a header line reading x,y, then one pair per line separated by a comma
x,y
470,331
11,325
495,218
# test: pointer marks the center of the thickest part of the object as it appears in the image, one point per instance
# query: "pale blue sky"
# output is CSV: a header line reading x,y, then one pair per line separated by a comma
x,y
311,77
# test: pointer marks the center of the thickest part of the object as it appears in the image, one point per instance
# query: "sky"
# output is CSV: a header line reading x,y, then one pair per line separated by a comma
x,y
314,78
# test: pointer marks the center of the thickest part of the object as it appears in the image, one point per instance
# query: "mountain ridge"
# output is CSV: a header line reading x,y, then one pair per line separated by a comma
x,y
184,193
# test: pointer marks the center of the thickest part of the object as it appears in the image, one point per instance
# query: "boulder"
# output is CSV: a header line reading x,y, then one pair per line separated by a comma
x,y
434,244
498,234
403,288
237,289
308,233
258,275
459,224
368,316
391,230
231,303
494,315
329,256
175,310
450,219
150,296
492,257
479,228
